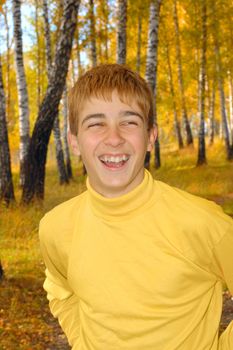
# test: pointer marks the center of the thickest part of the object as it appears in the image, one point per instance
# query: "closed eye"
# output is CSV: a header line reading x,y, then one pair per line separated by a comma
x,y
130,123
95,125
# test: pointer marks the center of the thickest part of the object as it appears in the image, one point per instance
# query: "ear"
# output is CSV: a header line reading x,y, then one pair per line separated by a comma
x,y
73,142
153,133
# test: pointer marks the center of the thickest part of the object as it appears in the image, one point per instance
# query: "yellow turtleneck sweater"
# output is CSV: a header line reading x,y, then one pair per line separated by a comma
x,y
143,271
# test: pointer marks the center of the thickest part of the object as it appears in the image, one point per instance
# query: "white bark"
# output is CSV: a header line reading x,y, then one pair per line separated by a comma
x,y
230,106
22,88
151,67
8,62
152,47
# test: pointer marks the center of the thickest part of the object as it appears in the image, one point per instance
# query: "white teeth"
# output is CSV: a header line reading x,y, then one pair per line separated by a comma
x,y
113,159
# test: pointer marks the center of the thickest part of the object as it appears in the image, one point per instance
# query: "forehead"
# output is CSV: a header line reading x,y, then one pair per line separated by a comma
x,y
112,102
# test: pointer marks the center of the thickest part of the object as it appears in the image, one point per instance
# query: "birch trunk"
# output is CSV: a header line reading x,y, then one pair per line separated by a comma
x,y
172,91
93,34
226,134
22,90
38,83
139,43
48,49
6,184
212,115
151,68
201,139
65,130
78,52
231,106
8,62
106,22
63,177
36,160
121,31
189,137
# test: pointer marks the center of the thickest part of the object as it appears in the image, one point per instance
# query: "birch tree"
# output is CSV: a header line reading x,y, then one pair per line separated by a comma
x,y
38,58
151,68
65,129
5,12
228,145
121,31
93,33
78,47
48,48
22,89
104,8
36,160
189,137
211,114
6,184
63,177
172,91
230,99
201,139
139,40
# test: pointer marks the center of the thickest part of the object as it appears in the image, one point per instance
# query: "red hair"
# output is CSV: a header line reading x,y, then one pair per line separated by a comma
x,y
101,81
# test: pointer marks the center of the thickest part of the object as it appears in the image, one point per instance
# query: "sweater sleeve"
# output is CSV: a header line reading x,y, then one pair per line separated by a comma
x,y
63,303
223,265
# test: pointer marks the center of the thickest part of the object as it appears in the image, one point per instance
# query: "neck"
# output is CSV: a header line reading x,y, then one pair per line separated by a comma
x,y
128,204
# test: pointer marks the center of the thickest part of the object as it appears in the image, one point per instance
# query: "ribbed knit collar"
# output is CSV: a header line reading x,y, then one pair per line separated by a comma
x,y
124,206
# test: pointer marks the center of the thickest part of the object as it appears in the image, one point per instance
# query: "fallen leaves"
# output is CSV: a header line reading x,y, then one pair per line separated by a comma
x,y
25,320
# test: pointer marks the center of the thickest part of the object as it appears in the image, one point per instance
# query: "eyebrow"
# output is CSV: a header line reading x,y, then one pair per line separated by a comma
x,y
129,113
102,115
92,116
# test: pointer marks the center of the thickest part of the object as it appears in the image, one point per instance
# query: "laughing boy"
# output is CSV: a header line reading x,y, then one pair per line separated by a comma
x,y
132,263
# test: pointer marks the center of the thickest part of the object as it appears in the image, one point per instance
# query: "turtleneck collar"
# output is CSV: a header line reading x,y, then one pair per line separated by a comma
x,y
126,205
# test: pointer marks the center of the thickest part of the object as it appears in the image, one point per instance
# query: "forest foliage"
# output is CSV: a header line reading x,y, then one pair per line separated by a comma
x,y
96,29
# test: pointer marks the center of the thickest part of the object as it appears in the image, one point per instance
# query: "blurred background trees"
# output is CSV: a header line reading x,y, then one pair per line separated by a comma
x,y
183,49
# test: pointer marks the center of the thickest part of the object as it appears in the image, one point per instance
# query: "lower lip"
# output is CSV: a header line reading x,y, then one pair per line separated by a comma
x,y
115,166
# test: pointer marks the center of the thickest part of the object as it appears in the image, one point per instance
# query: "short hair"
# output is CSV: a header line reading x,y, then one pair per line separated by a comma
x,y
101,81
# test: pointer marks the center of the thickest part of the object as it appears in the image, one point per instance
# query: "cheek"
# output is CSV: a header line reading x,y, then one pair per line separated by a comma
x,y
88,143
139,142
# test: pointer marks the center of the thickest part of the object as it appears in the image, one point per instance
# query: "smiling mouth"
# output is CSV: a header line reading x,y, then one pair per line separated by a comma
x,y
114,162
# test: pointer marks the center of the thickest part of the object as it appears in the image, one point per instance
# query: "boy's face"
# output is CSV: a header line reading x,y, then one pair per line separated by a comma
x,y
113,139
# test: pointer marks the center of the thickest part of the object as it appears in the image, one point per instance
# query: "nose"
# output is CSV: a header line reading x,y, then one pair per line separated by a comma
x,y
113,137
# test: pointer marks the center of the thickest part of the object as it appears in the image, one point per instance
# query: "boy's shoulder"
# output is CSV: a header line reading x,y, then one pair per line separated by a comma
x,y
190,206
170,192
63,216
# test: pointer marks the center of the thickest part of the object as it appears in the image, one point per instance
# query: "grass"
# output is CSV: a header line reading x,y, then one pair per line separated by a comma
x,y
25,321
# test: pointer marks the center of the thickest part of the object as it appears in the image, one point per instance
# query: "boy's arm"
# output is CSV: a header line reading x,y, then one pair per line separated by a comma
x,y
63,303
223,265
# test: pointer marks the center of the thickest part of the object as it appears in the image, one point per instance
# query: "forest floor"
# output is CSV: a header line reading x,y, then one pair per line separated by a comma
x,y
25,320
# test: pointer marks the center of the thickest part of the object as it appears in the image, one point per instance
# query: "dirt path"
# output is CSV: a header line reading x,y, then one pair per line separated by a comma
x,y
227,315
